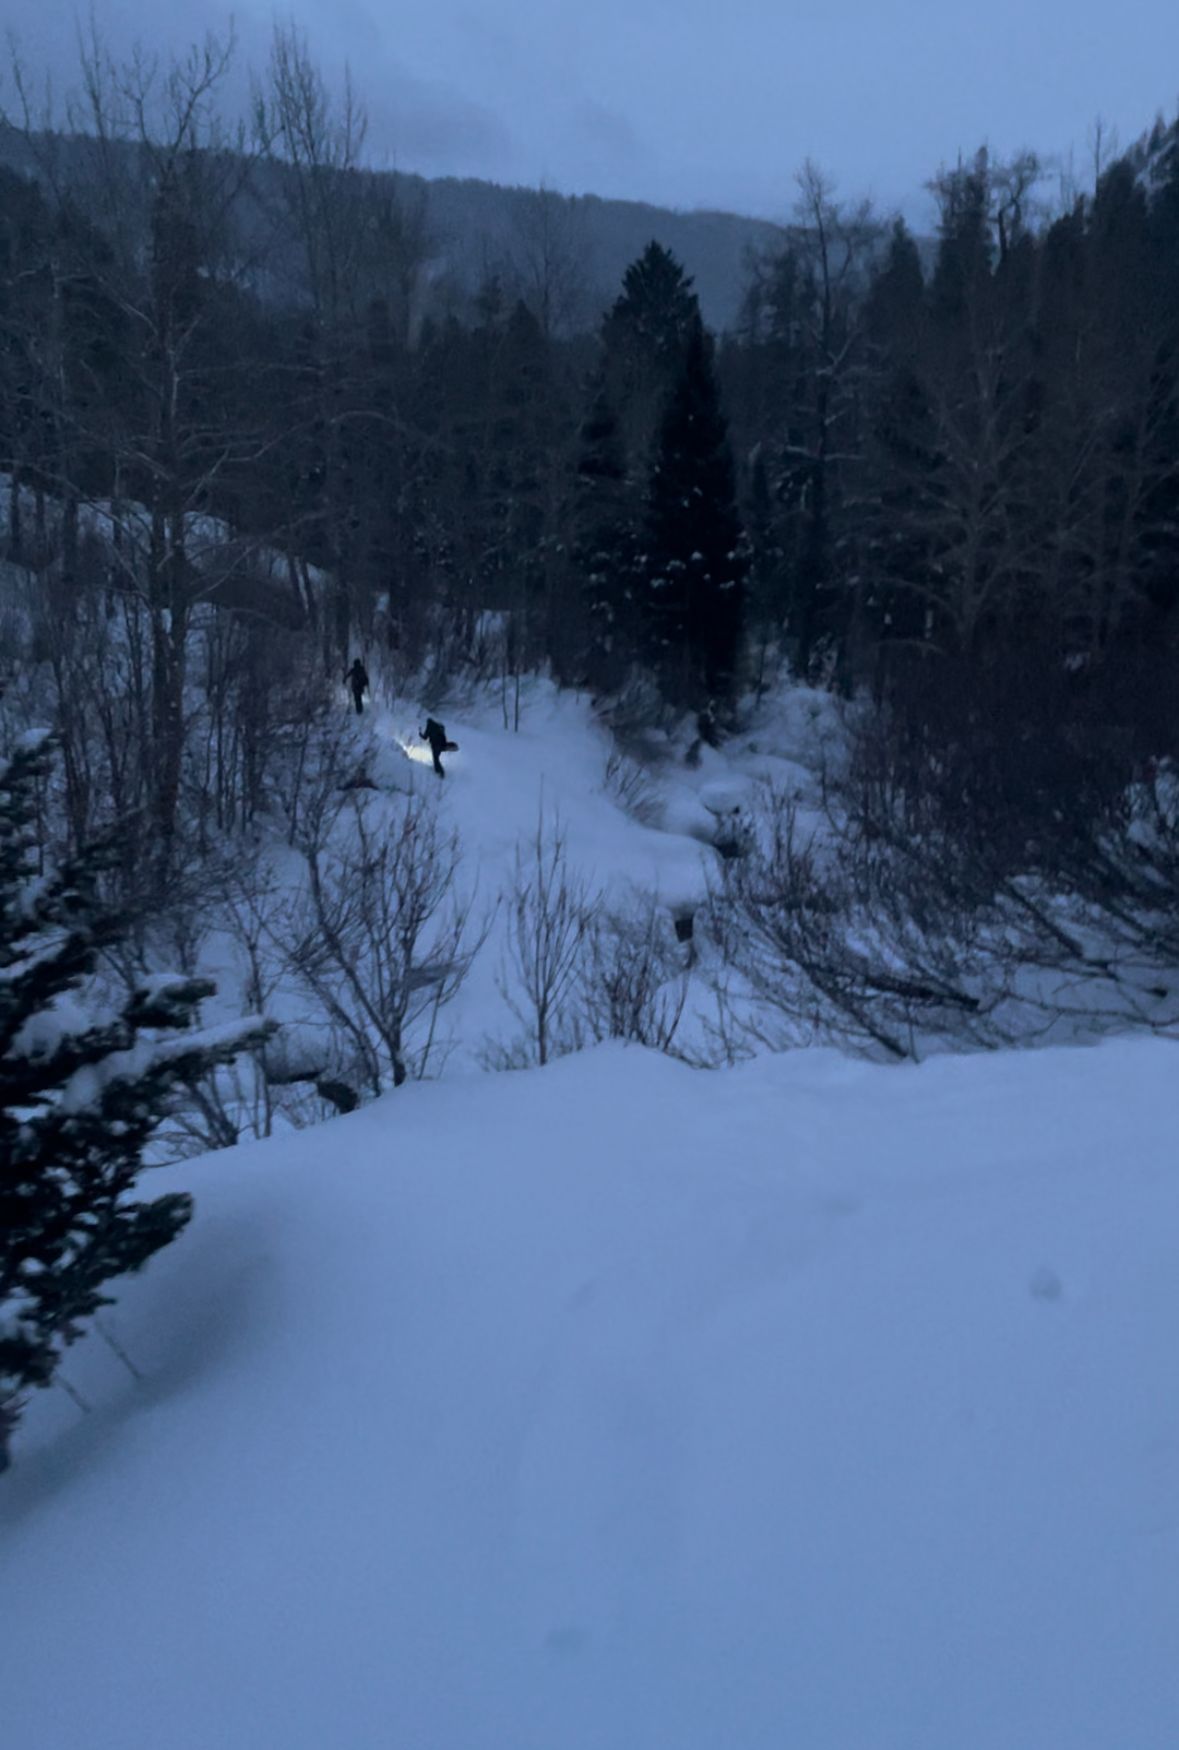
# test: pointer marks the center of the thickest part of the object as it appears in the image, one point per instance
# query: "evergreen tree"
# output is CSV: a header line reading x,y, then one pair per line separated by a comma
x,y
656,311
645,337
902,460
695,562
966,247
1165,201
82,1087
604,554
767,590
893,306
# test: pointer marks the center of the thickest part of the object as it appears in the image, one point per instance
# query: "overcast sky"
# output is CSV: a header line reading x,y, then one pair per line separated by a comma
x,y
698,102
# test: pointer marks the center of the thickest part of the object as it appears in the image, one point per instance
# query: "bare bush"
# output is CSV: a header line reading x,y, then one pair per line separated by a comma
x,y
550,912
632,984
577,972
381,938
932,909
628,784
1055,833
831,943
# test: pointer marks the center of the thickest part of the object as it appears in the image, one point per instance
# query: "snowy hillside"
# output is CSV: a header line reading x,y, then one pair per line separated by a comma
x,y
640,828
659,1233
621,1404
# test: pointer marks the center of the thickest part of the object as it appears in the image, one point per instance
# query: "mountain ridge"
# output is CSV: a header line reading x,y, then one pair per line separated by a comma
x,y
479,230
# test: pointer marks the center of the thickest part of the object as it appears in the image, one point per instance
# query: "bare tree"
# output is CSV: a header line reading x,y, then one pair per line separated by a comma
x,y
355,252
550,913
318,138
1104,146
552,256
142,395
381,938
804,319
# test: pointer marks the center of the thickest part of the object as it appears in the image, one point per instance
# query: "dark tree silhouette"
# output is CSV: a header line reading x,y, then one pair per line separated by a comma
x,y
695,561
83,1084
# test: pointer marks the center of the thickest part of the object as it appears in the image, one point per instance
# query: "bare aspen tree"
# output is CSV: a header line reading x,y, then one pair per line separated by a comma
x,y
549,911
162,176
355,252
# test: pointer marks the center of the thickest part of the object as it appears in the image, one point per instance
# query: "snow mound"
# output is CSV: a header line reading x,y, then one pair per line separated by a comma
x,y
621,1404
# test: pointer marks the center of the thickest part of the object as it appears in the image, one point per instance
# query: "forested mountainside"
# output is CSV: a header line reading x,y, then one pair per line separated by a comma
x,y
472,231
885,457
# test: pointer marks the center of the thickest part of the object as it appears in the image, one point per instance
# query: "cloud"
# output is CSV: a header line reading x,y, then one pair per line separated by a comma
x,y
419,122
427,125
494,41
610,98
605,130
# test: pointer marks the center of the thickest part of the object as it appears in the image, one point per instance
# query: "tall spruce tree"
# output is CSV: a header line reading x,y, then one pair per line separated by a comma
x,y
902,459
965,248
696,560
645,337
83,1085
604,545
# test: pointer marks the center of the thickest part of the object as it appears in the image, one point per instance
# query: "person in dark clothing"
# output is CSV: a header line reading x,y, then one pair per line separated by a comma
x,y
435,734
357,679
706,733
706,726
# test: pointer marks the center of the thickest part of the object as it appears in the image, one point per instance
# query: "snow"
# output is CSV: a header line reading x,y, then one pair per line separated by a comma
x,y
88,1084
624,1404
47,1030
33,740
125,527
503,783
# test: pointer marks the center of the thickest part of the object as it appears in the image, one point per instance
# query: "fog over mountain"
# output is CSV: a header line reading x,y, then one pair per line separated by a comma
x,y
680,106
478,232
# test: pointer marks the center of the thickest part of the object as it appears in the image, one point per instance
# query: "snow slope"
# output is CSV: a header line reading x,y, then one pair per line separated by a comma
x,y
503,782
626,1406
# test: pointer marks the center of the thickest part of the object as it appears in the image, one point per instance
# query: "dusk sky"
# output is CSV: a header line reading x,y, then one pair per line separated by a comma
x,y
699,102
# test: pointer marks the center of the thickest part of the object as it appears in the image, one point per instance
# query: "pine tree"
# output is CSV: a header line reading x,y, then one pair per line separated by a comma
x,y
645,337
965,249
896,543
656,311
767,560
695,563
604,552
894,302
82,1087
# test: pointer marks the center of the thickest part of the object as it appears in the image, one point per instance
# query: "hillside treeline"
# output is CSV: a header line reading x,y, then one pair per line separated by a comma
x,y
950,481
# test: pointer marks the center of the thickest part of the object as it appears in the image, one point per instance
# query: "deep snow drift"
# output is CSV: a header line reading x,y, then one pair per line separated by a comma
x,y
624,1405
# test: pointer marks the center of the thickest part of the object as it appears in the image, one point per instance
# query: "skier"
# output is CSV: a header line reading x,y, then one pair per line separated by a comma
x,y
357,679
435,734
